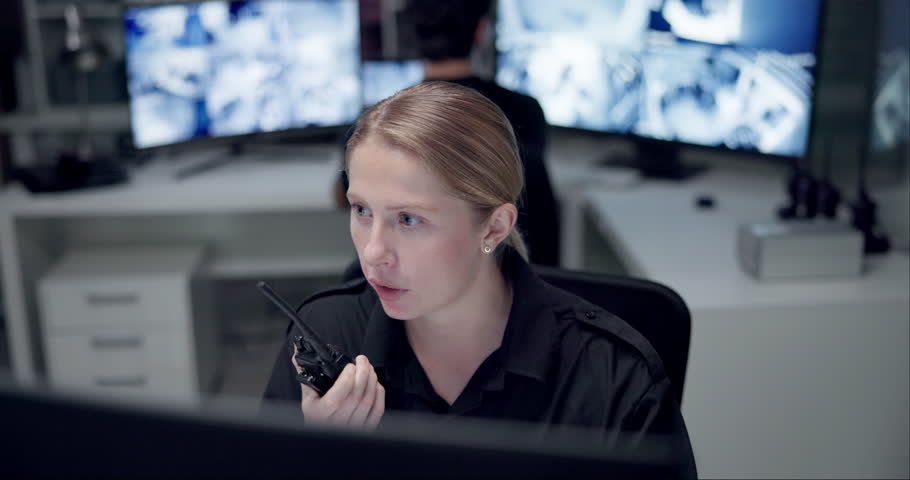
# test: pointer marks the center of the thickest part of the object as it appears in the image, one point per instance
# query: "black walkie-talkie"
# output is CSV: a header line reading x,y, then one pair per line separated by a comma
x,y
321,364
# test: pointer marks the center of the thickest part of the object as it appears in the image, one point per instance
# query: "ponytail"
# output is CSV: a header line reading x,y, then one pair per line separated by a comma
x,y
515,241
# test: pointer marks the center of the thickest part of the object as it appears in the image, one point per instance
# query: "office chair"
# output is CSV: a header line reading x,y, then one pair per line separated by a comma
x,y
656,311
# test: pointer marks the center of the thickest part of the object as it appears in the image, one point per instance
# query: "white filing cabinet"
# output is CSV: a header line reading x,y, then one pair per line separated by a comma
x,y
129,321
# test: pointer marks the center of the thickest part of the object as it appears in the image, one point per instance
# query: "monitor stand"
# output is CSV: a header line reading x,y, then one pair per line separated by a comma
x,y
212,161
659,160
200,162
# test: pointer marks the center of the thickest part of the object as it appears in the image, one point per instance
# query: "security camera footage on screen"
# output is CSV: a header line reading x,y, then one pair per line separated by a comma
x,y
891,107
218,68
383,78
731,73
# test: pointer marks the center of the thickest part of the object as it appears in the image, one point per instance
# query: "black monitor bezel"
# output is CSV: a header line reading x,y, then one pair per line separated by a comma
x,y
67,432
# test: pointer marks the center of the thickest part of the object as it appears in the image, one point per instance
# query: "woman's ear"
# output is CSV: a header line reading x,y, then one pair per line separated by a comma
x,y
500,224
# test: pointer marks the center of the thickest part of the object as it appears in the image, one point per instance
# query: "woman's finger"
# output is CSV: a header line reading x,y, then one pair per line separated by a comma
x,y
333,400
362,410
294,362
378,408
360,377
308,399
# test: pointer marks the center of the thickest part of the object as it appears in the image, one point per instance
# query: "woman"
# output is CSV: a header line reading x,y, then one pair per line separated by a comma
x,y
450,318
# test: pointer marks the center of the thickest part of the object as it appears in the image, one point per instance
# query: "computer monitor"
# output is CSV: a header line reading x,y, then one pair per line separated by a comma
x,y
52,435
226,69
383,78
732,74
890,125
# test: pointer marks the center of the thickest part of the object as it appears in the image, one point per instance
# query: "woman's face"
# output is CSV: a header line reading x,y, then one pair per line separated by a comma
x,y
419,246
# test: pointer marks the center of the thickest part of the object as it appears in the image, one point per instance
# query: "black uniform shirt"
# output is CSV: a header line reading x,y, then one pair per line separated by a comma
x,y
562,361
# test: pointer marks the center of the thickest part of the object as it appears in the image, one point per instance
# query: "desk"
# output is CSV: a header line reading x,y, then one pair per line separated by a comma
x,y
265,215
260,217
803,378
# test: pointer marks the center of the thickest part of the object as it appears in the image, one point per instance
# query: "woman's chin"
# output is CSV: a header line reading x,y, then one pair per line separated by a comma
x,y
394,309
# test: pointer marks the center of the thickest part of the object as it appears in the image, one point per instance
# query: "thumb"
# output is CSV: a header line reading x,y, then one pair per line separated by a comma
x,y
308,395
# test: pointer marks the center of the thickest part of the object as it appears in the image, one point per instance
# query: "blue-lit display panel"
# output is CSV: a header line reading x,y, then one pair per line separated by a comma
x,y
737,74
384,78
891,104
216,69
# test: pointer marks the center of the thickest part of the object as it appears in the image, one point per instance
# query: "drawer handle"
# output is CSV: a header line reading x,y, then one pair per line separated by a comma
x,y
110,343
131,381
111,299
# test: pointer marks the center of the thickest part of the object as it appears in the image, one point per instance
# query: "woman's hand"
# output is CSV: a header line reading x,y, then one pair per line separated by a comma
x,y
357,399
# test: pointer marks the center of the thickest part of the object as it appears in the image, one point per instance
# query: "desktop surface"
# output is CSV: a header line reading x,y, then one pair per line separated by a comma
x,y
660,233
284,179
771,363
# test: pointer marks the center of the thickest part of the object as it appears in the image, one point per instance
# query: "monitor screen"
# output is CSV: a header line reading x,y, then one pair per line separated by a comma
x,y
56,435
737,74
383,78
225,68
891,102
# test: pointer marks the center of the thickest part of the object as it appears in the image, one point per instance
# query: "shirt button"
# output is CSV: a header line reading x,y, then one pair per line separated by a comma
x,y
590,314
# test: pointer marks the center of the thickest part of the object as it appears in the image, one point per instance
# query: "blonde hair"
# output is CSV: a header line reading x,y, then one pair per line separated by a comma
x,y
460,135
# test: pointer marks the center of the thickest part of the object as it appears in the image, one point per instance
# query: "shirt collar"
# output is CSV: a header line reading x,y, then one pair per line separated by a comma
x,y
528,341
530,336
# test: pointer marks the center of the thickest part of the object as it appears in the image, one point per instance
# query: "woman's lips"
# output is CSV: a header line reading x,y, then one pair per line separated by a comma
x,y
385,292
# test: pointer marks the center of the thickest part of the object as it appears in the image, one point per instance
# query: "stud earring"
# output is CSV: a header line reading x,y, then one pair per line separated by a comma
x,y
487,249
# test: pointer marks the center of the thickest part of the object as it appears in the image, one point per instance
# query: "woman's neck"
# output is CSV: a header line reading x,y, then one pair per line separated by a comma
x,y
469,329
449,69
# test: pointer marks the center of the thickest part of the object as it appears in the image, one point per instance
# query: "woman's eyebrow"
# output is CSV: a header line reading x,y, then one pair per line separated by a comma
x,y
412,206
409,205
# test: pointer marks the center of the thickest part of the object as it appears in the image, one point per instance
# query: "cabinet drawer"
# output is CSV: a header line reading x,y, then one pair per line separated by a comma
x,y
146,302
155,364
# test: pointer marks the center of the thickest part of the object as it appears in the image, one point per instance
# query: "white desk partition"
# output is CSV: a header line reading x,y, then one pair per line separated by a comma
x,y
260,216
802,378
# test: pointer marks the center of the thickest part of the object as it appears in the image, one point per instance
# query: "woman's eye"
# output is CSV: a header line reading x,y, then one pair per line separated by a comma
x,y
360,210
409,220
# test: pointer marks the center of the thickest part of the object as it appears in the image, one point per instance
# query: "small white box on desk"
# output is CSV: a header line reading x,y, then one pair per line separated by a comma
x,y
794,249
131,321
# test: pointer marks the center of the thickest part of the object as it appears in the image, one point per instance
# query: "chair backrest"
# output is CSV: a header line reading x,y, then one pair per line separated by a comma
x,y
656,311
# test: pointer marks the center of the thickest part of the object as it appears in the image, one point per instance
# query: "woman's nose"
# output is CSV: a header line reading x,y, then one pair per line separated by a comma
x,y
378,251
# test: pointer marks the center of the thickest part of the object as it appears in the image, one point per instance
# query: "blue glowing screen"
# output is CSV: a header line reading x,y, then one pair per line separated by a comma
x,y
384,78
737,74
224,68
